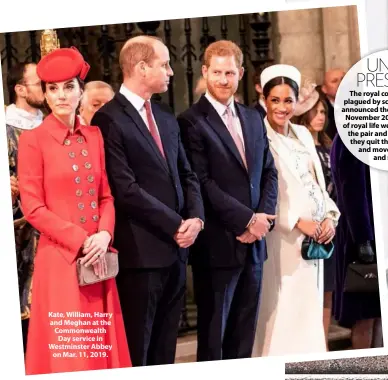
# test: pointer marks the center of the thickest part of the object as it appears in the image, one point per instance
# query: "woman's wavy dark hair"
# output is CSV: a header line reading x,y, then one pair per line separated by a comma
x,y
44,88
280,80
305,119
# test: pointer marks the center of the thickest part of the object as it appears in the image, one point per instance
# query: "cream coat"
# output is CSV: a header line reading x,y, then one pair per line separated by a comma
x,y
291,309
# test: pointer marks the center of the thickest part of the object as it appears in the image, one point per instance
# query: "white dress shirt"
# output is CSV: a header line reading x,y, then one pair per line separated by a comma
x,y
138,102
220,108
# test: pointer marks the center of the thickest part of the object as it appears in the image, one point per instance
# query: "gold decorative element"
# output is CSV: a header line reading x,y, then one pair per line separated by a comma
x,y
48,42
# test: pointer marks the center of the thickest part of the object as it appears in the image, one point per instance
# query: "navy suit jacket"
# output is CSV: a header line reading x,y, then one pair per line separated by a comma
x,y
152,194
231,194
260,108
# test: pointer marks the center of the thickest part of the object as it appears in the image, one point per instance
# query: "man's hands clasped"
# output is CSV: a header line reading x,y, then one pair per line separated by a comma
x,y
257,229
187,232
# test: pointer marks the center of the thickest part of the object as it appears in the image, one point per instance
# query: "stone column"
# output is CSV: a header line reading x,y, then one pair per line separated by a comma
x,y
298,41
341,37
315,40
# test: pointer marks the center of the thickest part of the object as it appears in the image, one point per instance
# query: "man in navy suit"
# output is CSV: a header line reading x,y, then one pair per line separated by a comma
x,y
227,146
159,209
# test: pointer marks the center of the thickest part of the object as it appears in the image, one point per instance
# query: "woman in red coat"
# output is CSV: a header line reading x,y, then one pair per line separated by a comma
x,y
66,196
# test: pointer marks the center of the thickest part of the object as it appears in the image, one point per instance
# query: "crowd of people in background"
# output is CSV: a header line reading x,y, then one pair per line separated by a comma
x,y
231,189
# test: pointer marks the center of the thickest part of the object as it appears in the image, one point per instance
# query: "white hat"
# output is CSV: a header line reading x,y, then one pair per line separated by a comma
x,y
275,71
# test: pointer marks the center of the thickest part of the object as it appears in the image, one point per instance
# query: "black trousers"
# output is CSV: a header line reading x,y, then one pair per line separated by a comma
x,y
227,302
151,302
25,323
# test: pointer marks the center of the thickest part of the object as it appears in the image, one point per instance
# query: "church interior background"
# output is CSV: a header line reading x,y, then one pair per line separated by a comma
x,y
313,40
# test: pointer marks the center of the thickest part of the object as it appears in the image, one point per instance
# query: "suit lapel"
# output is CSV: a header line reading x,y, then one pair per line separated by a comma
x,y
131,111
278,146
164,131
215,121
249,138
314,156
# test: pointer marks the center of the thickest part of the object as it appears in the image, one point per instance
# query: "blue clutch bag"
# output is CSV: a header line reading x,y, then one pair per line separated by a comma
x,y
311,250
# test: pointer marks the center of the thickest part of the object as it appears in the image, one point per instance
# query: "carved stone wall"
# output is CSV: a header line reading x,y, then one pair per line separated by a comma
x,y
89,39
313,40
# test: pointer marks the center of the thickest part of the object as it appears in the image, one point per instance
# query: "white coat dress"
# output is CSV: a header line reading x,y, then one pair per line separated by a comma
x,y
290,320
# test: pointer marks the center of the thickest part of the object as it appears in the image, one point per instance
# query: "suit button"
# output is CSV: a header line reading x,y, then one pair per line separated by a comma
x,y
92,191
90,178
75,168
78,193
82,219
67,142
81,206
72,155
93,204
84,152
88,165
95,218
80,140
77,180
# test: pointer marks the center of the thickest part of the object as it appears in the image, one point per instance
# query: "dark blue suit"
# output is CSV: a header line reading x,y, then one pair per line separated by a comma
x,y
227,273
152,195
261,109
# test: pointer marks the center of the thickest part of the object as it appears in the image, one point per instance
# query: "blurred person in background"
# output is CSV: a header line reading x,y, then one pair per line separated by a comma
x,y
355,243
23,114
259,104
95,95
329,88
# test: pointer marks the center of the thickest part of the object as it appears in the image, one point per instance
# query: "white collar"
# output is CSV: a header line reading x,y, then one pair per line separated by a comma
x,y
22,119
136,100
220,108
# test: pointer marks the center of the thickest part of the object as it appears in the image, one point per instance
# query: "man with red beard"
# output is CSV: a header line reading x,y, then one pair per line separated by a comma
x,y
227,145
23,114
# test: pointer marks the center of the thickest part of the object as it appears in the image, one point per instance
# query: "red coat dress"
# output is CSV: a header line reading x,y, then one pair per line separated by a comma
x,y
66,196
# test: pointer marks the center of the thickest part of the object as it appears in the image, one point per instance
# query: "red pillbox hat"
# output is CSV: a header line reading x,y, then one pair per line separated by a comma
x,y
61,65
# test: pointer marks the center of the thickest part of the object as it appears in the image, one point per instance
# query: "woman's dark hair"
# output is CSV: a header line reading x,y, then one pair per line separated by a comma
x,y
280,80
44,88
305,119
